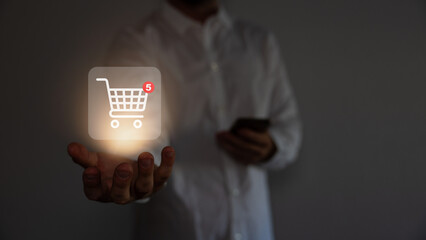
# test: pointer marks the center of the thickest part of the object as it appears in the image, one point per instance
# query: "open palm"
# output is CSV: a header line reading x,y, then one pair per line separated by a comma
x,y
111,178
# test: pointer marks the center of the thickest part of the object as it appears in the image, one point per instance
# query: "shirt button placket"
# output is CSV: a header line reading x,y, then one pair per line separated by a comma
x,y
217,97
219,101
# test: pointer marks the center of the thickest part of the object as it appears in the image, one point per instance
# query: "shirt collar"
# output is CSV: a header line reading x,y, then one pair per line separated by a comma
x,y
181,22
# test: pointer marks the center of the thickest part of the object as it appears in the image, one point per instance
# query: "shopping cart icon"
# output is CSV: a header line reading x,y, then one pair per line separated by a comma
x,y
125,103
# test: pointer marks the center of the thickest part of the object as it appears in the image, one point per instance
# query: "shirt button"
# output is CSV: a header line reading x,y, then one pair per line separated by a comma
x,y
238,236
214,66
235,192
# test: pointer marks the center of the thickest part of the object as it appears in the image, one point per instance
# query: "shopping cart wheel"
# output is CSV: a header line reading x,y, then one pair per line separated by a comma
x,y
115,123
137,123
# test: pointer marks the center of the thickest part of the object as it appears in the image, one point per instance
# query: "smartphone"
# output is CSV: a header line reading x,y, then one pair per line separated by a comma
x,y
255,124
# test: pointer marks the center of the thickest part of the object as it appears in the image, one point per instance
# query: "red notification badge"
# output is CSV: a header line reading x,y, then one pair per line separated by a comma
x,y
148,87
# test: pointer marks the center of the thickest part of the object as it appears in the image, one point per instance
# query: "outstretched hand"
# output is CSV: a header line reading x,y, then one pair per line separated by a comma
x,y
110,178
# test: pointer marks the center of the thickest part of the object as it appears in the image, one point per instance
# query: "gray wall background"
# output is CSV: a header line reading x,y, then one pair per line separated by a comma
x,y
358,69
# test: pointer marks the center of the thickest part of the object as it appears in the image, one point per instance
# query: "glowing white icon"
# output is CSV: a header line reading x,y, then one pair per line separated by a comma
x,y
125,103
118,106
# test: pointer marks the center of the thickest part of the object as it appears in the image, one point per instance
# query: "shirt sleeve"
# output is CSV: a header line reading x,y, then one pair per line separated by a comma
x,y
286,127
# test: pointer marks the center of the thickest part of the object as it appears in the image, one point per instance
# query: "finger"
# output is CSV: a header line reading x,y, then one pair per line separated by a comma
x,y
240,144
259,138
145,182
237,154
120,190
163,172
81,155
92,183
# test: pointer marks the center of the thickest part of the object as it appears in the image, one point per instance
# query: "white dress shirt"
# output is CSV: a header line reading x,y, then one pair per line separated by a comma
x,y
212,74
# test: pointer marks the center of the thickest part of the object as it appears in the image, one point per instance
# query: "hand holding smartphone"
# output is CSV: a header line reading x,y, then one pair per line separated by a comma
x,y
252,146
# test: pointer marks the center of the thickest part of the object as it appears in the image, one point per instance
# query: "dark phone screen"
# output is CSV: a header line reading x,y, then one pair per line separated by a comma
x,y
256,124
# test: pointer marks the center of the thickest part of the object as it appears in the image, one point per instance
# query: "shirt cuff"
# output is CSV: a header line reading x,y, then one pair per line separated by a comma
x,y
278,160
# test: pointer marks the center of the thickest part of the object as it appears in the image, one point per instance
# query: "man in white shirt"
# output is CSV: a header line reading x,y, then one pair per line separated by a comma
x,y
215,69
